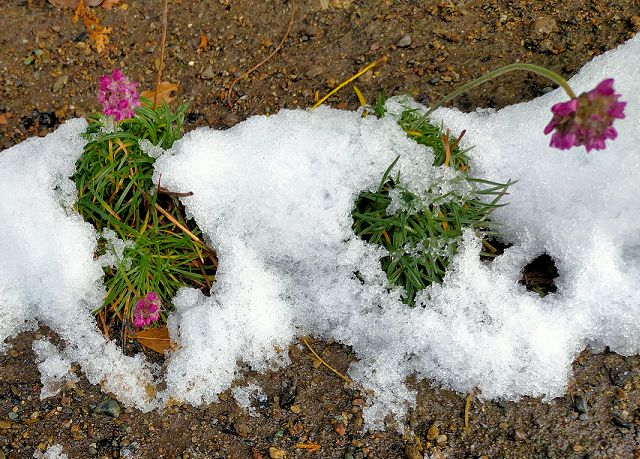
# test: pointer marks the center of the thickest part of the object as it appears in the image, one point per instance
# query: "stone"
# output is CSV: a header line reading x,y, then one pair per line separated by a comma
x,y
276,453
580,402
404,42
60,83
441,439
241,428
208,73
544,25
412,452
433,432
108,408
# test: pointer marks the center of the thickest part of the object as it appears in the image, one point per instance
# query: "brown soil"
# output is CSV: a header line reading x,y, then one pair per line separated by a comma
x,y
49,74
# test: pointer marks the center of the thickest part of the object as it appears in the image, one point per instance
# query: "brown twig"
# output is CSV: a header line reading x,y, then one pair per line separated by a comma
x,y
467,408
322,361
165,14
258,65
163,190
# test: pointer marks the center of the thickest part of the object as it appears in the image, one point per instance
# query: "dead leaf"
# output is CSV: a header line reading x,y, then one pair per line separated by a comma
x,y
4,118
150,390
108,4
203,43
156,339
98,34
166,93
310,446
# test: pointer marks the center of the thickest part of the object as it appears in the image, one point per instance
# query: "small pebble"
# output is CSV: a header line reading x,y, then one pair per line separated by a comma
x,y
441,439
412,452
208,73
433,432
12,416
619,376
241,428
580,402
519,435
404,42
617,420
275,453
108,408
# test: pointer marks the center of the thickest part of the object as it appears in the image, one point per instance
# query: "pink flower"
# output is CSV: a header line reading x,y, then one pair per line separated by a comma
x,y
147,310
586,120
118,95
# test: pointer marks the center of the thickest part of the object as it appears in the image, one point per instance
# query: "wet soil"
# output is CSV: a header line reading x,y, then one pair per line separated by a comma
x,y
48,73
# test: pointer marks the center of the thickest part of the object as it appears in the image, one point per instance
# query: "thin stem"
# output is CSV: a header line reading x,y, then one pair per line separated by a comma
x,y
553,76
165,14
276,49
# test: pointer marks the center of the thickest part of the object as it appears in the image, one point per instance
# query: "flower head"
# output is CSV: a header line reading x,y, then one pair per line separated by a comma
x,y
586,120
147,310
118,95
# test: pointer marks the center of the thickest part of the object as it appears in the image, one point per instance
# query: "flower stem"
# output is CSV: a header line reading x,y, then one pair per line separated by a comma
x,y
553,76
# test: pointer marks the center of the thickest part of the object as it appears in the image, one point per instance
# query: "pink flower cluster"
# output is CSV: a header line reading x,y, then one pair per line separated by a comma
x,y
586,120
147,310
118,95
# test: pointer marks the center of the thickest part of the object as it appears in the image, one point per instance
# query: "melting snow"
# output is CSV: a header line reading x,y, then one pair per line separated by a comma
x,y
274,197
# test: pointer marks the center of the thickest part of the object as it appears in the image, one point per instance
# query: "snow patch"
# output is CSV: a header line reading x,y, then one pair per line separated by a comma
x,y
274,196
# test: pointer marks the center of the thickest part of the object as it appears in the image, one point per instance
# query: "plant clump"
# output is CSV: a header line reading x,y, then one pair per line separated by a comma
x,y
147,244
421,229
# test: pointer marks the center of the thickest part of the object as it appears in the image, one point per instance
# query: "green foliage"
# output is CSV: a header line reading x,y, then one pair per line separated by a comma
x,y
116,192
423,234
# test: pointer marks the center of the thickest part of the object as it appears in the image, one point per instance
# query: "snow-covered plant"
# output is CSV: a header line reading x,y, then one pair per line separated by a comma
x,y
422,228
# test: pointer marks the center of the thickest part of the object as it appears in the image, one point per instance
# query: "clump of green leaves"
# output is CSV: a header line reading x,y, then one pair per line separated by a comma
x,y
422,234
163,251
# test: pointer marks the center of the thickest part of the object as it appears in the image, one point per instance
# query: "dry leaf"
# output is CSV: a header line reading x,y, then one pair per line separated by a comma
x,y
150,390
166,93
311,446
4,118
98,34
156,339
108,4
203,43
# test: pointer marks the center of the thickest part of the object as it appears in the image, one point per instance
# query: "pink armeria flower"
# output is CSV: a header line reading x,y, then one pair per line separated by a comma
x,y
118,95
586,120
147,310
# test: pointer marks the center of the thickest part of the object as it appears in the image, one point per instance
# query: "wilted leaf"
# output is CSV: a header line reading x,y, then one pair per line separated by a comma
x,y
98,34
156,339
203,43
310,446
108,4
166,93
4,118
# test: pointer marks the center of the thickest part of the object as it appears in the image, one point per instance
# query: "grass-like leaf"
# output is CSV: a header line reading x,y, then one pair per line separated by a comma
x,y
116,192
423,235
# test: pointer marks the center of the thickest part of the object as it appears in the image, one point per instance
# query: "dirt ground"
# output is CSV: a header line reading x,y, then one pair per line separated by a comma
x,y
49,72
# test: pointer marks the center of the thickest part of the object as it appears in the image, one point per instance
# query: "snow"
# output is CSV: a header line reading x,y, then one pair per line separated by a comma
x,y
52,452
247,397
274,196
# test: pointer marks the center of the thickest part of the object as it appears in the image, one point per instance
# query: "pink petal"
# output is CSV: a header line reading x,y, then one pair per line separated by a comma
x,y
565,108
152,296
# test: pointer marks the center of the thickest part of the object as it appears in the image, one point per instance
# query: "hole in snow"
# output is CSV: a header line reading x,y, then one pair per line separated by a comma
x,y
538,276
